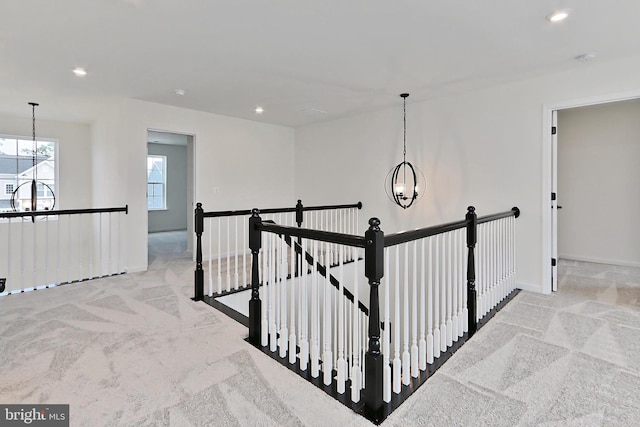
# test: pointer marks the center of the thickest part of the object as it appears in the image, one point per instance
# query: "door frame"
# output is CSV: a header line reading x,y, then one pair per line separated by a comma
x,y
191,182
549,170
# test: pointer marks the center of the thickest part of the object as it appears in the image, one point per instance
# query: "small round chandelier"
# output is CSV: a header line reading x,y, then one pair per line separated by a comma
x,y
26,199
404,183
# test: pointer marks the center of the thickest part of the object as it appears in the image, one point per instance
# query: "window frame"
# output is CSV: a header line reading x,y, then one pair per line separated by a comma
x,y
55,155
162,183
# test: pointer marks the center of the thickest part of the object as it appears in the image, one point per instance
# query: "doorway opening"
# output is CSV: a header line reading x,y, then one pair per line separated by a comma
x,y
590,152
170,196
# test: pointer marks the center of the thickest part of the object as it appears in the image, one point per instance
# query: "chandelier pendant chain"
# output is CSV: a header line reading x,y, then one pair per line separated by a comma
x,y
404,140
35,144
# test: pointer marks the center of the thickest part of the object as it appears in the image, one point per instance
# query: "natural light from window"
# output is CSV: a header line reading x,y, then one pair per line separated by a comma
x,y
156,182
17,170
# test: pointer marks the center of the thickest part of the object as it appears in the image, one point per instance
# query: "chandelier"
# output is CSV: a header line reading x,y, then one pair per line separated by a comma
x,y
34,184
404,183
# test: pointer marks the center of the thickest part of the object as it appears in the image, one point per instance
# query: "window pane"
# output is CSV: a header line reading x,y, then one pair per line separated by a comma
x,y
156,182
17,168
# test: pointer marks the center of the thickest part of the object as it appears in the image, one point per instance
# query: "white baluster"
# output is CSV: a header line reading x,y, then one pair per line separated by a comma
x,y
273,300
293,282
266,287
406,356
342,364
315,314
327,356
235,266
436,299
22,283
386,335
422,342
303,310
283,285
245,245
430,335
355,369
465,309
454,284
210,229
9,258
480,297
494,266
46,251
443,293
110,234
228,266
461,281
69,251
59,238
219,255
414,312
397,363
34,278
450,285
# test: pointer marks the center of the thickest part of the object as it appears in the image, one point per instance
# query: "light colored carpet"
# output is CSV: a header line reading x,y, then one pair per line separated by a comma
x,y
134,350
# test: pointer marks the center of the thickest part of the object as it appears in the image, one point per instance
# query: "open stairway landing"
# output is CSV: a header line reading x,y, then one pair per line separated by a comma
x,y
135,350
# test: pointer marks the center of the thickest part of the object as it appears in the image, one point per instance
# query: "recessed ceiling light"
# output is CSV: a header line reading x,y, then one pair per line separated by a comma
x,y
179,92
259,110
80,72
558,16
586,57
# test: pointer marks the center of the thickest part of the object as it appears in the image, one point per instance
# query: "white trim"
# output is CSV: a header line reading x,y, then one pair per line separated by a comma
x,y
546,168
599,260
532,288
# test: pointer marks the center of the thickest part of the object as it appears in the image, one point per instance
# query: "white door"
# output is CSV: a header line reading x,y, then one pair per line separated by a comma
x,y
554,201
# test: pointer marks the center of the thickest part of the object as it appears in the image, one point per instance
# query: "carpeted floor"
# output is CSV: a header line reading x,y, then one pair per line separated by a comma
x,y
134,350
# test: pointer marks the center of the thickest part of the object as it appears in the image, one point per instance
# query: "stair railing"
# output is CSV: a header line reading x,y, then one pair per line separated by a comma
x,y
44,249
226,243
424,315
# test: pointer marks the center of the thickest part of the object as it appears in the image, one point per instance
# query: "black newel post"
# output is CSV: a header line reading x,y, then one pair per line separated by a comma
x,y
299,220
299,213
374,270
255,308
472,228
199,273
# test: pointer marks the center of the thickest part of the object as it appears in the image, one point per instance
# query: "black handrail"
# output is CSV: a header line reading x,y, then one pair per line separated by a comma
x,y
408,236
421,233
299,207
306,233
124,209
488,218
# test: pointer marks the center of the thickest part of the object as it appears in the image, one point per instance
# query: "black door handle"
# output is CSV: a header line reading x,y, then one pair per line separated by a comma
x,y
559,207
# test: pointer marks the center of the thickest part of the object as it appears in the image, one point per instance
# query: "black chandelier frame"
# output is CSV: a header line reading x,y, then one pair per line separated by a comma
x,y
396,183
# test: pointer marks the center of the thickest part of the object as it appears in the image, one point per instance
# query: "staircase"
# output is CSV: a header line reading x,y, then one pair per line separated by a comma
x,y
371,343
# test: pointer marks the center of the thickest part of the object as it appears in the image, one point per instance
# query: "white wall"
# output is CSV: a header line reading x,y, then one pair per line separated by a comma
x,y
484,147
250,163
598,183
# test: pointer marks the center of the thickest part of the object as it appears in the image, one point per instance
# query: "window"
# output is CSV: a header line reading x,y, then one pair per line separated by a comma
x,y
156,182
18,167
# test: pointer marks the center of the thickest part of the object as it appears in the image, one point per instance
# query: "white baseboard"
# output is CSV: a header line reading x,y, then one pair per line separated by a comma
x,y
537,288
599,260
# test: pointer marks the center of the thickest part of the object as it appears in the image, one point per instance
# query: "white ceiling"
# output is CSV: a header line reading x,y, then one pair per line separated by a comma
x,y
304,61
